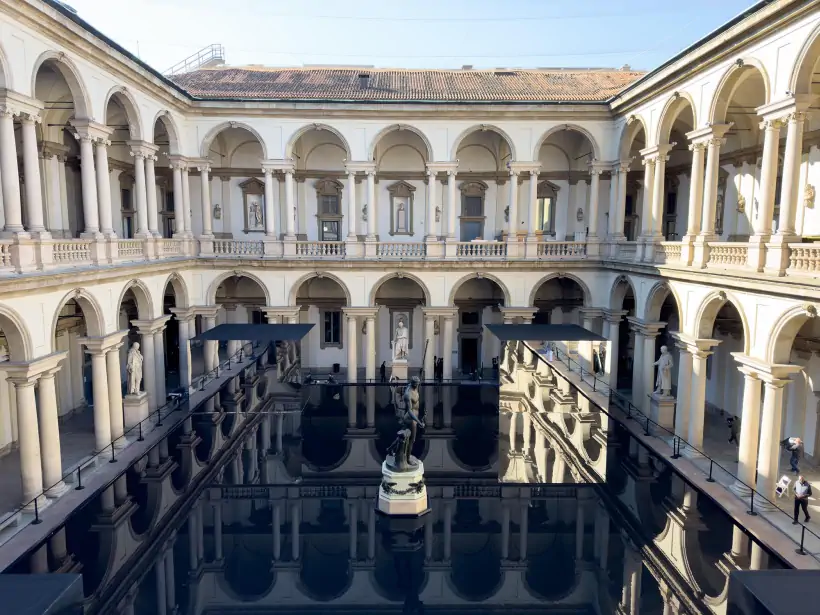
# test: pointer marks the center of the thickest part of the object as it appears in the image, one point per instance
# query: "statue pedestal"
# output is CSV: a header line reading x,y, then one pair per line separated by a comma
x,y
134,408
662,410
403,493
398,369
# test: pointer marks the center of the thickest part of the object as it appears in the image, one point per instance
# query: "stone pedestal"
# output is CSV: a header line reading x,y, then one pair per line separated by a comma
x,y
399,369
402,493
662,410
135,408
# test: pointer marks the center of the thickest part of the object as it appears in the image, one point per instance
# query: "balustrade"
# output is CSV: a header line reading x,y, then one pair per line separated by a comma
x,y
169,247
5,255
72,251
130,249
231,247
669,252
626,250
400,250
724,254
481,249
562,249
804,258
320,249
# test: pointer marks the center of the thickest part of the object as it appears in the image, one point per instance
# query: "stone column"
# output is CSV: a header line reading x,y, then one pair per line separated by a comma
x,y
49,428
710,190
447,347
31,471
697,389
695,191
768,457
451,205
114,383
792,157
533,203
205,182
594,197
151,201
621,207
218,553
614,204
432,194
141,193
271,191
179,200
290,221
31,174
612,318
89,186
659,196
372,208
104,189
149,374
768,176
102,413
352,216
352,350
9,173
684,399
159,365
429,334
512,222
159,576
186,196
185,320
370,363
648,187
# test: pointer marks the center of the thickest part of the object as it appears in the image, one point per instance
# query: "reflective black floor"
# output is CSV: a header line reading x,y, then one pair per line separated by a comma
x,y
549,511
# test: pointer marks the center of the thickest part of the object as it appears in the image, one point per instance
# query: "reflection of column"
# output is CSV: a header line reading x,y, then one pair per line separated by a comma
x,y
170,581
193,552
447,347
371,534
428,539
449,504
524,525
579,529
352,355
370,406
276,528
353,524
526,421
294,531
351,406
159,576
602,536
505,530
217,504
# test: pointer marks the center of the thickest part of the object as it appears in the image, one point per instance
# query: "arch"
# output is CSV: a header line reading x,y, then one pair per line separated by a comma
x,y
92,312
79,92
294,290
483,128
170,124
785,330
132,113
145,307
729,80
671,110
634,124
17,335
654,301
315,126
803,69
708,311
210,296
396,274
371,151
596,150
471,276
616,297
551,276
180,289
214,132
6,79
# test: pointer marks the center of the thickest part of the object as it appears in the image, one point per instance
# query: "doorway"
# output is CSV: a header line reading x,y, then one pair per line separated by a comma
x,y
469,354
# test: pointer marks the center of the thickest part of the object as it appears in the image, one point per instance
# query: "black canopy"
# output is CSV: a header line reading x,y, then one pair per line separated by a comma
x,y
261,333
544,333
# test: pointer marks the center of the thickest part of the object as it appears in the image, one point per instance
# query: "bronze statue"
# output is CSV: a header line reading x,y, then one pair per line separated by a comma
x,y
410,421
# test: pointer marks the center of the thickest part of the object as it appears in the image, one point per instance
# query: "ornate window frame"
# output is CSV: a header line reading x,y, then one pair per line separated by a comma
x,y
471,189
127,183
547,195
322,320
400,190
328,187
253,187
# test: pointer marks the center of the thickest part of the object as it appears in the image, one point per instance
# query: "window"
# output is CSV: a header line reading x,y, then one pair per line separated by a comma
x,y
469,318
332,328
167,218
127,211
329,205
472,210
329,209
546,216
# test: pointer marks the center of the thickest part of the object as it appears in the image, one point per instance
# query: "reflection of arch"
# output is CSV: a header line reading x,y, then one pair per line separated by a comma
x,y
92,313
671,111
655,299
210,296
145,308
560,580
803,69
482,276
307,128
132,114
17,335
180,289
82,101
596,151
785,331
214,133
375,290
371,152
483,128
476,576
708,311
236,583
552,276
294,290
622,284
170,125
718,105
634,125
324,576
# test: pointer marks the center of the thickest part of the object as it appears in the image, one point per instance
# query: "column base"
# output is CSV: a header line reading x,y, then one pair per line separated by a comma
x,y
756,253
42,503
777,254
740,490
14,231
57,490
92,234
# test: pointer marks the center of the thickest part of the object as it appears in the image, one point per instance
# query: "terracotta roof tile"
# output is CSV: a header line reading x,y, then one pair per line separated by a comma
x,y
533,85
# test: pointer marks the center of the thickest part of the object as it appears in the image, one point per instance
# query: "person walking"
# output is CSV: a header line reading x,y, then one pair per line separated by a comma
x,y
802,493
383,371
793,445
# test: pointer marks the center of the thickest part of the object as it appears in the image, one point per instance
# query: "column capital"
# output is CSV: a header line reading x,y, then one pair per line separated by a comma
x,y
645,328
614,316
179,162
360,166
518,312
444,312
524,167
700,347
18,104
184,314
622,166
151,326
368,311
707,133
103,343
785,106
203,165
206,311
767,372
443,167
142,148
591,312
30,371
89,130
278,166
290,311
656,152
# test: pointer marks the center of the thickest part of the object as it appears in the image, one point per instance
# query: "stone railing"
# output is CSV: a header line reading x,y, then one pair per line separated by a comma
x,y
5,255
320,249
668,252
72,251
237,248
130,249
481,249
626,250
725,254
562,249
804,258
390,249
169,247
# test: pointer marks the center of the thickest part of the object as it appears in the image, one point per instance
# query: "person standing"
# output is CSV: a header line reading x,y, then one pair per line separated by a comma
x,y
802,493
383,371
793,446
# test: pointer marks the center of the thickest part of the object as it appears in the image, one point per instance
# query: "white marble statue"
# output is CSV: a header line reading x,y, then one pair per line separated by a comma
x,y
133,366
663,383
400,341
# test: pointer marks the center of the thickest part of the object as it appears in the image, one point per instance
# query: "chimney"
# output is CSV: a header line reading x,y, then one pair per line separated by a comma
x,y
364,79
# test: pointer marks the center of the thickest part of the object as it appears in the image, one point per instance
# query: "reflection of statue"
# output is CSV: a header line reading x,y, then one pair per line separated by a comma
x,y
400,341
410,421
287,363
663,383
509,360
133,366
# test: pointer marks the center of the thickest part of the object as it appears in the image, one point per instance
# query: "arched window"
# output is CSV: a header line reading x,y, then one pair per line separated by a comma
x,y
329,209
472,210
